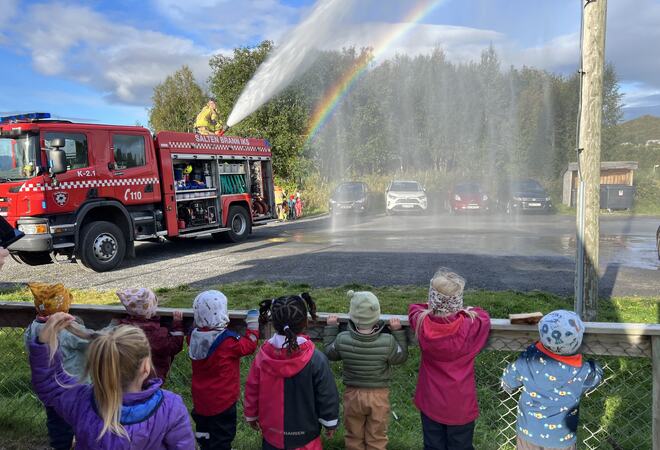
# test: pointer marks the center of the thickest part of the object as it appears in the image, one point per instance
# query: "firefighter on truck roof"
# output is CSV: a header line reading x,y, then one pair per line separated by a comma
x,y
208,120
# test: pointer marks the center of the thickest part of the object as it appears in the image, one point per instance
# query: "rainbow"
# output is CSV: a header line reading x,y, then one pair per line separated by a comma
x,y
341,88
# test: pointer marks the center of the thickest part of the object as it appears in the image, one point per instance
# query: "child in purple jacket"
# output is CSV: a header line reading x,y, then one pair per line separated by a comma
x,y
124,407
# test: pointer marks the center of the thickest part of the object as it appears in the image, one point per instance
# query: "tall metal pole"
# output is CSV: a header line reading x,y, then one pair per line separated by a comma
x,y
589,143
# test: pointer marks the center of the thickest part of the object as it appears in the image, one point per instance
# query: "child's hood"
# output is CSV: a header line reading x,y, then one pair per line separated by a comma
x,y
452,337
139,406
278,361
148,389
355,334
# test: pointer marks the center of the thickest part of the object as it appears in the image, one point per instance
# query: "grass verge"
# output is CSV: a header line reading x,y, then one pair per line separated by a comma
x,y
393,299
617,414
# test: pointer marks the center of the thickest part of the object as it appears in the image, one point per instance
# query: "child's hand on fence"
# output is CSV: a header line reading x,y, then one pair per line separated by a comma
x,y
177,315
55,323
254,424
333,320
252,319
395,324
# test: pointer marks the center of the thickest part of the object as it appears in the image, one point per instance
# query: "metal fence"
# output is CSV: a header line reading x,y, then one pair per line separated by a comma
x,y
622,413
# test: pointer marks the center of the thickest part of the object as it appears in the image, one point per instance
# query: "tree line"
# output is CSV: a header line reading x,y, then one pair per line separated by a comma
x,y
409,113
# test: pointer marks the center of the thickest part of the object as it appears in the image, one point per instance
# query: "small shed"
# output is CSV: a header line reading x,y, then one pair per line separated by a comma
x,y
611,172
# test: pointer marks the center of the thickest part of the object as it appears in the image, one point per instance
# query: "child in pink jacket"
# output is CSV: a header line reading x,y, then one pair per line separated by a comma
x,y
450,337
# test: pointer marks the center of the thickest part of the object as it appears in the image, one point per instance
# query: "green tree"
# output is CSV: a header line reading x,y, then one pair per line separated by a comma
x,y
282,120
612,113
415,114
176,102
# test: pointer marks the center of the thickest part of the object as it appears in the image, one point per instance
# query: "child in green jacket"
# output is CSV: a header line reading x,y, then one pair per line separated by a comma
x,y
368,355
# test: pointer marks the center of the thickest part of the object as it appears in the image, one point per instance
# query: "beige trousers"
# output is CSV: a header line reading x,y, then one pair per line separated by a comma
x,y
366,417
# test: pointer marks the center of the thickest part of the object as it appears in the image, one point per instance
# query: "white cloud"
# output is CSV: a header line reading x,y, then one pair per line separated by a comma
x,y
124,62
459,43
236,21
559,54
8,9
631,44
632,40
121,61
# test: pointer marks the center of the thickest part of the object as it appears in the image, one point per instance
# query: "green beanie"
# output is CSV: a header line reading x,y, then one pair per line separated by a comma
x,y
365,309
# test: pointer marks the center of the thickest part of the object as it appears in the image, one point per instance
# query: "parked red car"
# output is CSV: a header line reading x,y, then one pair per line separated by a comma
x,y
468,196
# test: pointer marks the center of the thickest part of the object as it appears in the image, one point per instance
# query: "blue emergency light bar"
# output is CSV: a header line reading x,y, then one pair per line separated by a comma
x,y
26,116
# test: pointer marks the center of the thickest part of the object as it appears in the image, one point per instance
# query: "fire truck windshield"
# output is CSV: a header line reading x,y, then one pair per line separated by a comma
x,y
18,157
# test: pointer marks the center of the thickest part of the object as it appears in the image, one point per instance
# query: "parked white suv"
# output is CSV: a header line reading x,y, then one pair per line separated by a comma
x,y
405,196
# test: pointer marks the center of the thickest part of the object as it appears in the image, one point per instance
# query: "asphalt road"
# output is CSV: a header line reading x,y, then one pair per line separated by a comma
x,y
492,252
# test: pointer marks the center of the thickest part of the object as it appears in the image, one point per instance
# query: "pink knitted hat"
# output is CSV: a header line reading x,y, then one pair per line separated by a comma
x,y
140,302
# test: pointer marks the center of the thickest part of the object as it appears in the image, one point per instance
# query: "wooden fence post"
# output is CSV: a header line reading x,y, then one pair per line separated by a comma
x,y
588,197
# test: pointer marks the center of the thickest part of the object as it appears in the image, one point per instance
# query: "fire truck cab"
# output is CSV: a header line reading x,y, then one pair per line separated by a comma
x,y
87,193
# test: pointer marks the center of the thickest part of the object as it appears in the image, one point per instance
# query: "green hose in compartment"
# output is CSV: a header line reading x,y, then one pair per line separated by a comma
x,y
233,184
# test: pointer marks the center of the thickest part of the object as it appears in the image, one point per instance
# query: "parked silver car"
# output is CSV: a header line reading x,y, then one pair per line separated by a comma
x,y
405,196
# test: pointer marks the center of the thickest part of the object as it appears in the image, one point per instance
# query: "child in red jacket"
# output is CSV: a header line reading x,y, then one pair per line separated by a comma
x,y
290,392
165,341
216,352
450,337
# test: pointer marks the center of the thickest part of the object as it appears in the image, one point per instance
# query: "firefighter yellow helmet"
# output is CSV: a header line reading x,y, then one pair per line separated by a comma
x,y
188,170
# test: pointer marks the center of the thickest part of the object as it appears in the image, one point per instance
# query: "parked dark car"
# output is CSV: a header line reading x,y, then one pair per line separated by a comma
x,y
525,196
657,241
468,197
350,197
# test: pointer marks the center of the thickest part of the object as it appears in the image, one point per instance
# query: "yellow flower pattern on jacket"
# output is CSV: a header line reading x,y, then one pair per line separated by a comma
x,y
548,409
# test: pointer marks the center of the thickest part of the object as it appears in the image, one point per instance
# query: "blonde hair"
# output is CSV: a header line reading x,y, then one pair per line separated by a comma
x,y
422,316
75,329
447,282
113,363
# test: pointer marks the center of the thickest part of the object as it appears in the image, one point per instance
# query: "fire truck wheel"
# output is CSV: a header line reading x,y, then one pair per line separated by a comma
x,y
102,246
35,258
238,223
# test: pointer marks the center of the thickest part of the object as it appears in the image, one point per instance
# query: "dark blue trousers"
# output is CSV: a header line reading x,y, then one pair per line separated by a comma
x,y
60,433
216,432
438,436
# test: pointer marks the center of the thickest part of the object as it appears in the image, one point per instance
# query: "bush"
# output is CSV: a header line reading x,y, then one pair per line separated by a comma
x,y
316,193
647,194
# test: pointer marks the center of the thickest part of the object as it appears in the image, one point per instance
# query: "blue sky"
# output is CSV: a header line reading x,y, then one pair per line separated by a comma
x,y
99,60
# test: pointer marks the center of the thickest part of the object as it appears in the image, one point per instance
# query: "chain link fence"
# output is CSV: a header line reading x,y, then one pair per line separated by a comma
x,y
617,415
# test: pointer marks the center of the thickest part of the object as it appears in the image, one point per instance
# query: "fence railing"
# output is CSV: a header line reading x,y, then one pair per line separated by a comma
x,y
622,413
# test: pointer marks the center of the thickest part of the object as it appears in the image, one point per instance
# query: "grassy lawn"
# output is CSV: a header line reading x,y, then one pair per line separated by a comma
x,y
618,412
393,300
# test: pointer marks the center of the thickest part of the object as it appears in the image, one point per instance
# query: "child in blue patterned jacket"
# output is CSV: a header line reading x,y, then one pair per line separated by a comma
x,y
553,377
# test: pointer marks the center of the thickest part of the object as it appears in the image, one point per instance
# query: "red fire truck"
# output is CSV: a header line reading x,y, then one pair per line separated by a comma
x,y
87,193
